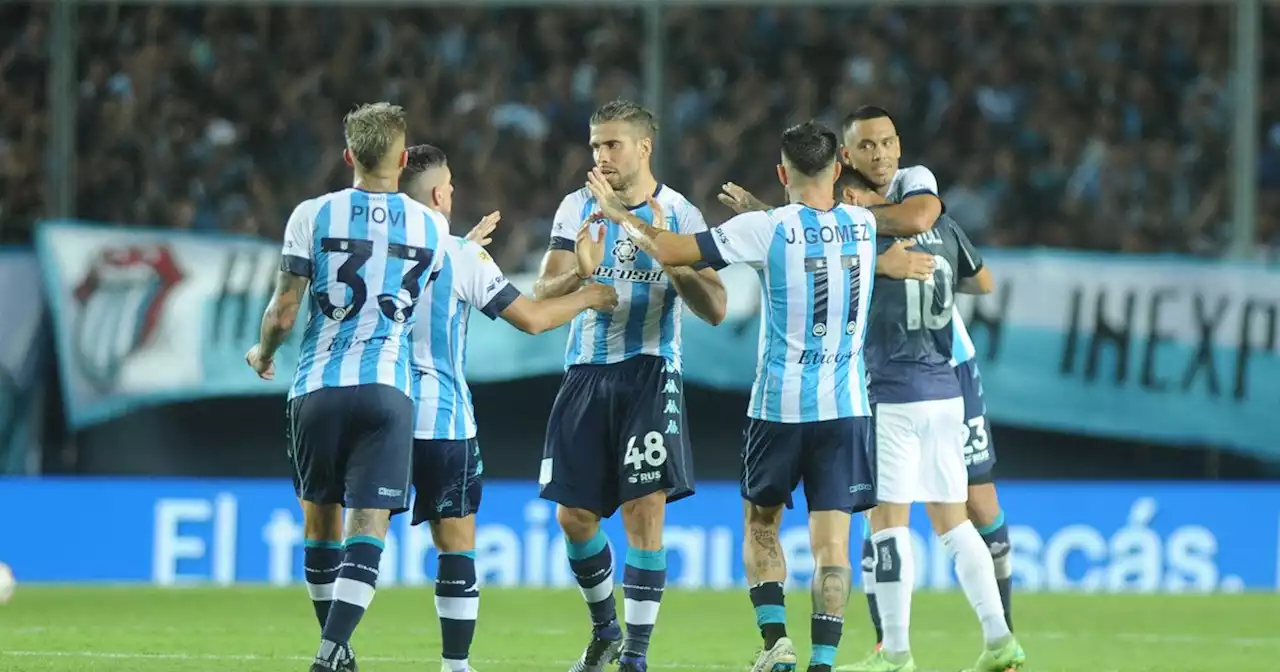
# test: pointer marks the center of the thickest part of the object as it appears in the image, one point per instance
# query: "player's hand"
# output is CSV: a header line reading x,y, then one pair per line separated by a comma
x,y
902,264
601,297
740,200
265,368
480,233
610,203
589,248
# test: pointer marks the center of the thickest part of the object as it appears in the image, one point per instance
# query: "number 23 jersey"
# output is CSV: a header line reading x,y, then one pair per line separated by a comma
x,y
369,256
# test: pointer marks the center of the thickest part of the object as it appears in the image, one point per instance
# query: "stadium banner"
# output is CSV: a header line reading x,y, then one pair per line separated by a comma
x,y
22,362
1091,537
1166,349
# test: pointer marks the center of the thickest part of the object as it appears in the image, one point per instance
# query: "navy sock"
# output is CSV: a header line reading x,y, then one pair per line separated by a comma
x,y
458,605
320,561
771,611
868,585
352,593
996,537
592,564
644,579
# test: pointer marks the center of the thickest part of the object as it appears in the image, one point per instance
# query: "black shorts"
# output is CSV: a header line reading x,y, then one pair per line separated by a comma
x,y
835,459
448,478
352,446
617,433
979,448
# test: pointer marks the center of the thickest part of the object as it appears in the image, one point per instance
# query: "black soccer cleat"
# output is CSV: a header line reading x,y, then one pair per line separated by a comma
x,y
349,664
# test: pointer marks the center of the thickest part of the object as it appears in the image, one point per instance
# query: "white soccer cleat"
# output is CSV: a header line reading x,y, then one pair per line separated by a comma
x,y
781,658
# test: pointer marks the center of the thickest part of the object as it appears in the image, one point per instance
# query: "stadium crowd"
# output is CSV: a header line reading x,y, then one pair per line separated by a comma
x,y
1087,127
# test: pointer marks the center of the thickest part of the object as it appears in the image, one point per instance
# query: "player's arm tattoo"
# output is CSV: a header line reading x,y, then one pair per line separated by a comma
x,y
368,523
282,311
559,275
899,220
702,291
831,586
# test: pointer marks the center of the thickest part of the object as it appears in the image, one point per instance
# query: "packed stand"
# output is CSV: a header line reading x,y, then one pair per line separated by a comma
x,y
1088,127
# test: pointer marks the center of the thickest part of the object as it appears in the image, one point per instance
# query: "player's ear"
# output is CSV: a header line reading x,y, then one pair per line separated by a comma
x,y
404,160
646,146
437,196
835,177
782,174
348,157
848,195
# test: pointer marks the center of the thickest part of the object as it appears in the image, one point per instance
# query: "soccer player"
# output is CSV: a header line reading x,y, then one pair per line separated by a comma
x,y
809,415
872,147
447,467
617,435
366,253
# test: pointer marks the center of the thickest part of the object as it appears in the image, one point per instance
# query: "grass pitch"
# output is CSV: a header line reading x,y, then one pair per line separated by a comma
x,y
142,629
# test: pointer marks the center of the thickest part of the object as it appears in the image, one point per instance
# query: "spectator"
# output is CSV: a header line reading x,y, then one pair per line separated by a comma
x,y
1093,127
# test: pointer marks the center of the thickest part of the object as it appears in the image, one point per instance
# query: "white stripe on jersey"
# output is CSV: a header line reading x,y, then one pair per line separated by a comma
x,y
817,270
361,244
648,316
468,278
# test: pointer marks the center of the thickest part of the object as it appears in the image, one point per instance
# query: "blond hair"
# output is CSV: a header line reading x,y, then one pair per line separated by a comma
x,y
370,131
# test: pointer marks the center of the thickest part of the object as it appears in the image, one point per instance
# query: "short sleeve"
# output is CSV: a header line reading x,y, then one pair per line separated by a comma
x,y
743,239
478,280
689,221
295,257
568,221
916,181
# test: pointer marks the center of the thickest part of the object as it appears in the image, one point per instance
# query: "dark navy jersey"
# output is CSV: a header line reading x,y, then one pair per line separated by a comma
x,y
909,332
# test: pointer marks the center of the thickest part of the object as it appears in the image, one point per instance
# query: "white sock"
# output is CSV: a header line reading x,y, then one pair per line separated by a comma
x,y
457,665
977,577
894,579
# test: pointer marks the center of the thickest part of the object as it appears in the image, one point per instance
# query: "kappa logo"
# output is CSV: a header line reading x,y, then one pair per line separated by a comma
x,y
122,298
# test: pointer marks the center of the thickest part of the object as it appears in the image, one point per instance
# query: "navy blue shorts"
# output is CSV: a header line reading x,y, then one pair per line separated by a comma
x,y
617,433
352,446
979,449
448,479
835,459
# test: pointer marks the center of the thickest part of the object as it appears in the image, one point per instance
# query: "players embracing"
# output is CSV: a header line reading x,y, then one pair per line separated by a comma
x,y
617,435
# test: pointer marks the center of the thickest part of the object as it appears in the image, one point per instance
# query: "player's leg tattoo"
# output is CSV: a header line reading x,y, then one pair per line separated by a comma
x,y
831,583
357,581
895,571
988,517
644,576
766,570
869,580
457,592
974,567
322,553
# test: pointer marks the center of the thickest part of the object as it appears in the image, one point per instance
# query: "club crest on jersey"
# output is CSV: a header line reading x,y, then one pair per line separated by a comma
x,y
624,250
122,298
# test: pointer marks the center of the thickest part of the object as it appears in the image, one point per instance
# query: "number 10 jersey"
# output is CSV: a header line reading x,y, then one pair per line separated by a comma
x,y
910,333
369,255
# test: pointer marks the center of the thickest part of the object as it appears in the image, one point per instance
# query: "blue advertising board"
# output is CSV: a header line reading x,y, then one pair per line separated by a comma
x,y
1095,537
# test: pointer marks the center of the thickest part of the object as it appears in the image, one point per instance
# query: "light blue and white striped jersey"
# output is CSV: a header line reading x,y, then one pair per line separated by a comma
x,y
469,277
647,319
369,255
817,269
962,349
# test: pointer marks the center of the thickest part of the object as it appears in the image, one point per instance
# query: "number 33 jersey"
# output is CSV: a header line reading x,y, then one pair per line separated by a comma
x,y
369,255
910,334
